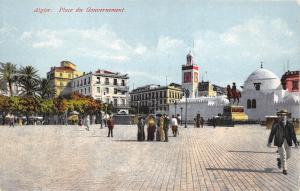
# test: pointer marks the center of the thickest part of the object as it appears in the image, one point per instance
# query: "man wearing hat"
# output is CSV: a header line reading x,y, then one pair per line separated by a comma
x,y
284,137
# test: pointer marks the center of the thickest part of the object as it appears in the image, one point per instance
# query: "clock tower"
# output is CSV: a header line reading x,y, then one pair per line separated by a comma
x,y
190,76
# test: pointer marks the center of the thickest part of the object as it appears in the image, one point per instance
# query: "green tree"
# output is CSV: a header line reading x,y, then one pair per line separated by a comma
x,y
61,106
29,81
4,107
45,89
47,108
29,105
8,75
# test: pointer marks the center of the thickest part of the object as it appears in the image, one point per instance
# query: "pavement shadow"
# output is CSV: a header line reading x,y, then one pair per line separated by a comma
x,y
266,170
262,152
130,140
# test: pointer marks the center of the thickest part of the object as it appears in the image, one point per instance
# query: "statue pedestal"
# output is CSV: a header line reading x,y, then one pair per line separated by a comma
x,y
234,113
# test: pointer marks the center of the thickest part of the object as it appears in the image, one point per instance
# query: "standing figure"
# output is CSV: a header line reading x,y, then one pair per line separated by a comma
x,y
12,122
101,119
284,133
106,116
174,126
179,119
161,128
201,122
141,132
110,125
166,127
198,120
214,122
87,123
150,128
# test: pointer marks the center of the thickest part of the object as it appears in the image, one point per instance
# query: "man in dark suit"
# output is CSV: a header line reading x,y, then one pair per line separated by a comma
x,y
285,135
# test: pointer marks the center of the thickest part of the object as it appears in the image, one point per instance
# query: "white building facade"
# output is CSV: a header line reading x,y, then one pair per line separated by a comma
x,y
263,96
109,87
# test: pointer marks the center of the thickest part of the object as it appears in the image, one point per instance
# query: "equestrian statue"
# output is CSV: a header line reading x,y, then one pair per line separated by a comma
x,y
233,94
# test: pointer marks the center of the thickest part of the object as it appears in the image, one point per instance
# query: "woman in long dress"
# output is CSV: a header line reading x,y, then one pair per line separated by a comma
x,y
141,132
151,128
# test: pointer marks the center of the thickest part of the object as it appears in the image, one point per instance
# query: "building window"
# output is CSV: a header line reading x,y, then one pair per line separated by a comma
x,y
81,91
123,102
115,102
295,85
84,90
98,89
253,105
248,104
115,91
115,82
106,81
80,82
84,81
70,76
60,74
123,82
107,90
98,80
89,90
89,81
257,86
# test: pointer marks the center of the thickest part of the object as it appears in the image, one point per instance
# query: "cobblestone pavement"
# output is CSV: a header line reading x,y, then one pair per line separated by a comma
x,y
70,158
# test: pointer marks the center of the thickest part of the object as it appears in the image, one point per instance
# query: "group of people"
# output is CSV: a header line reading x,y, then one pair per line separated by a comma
x,y
157,127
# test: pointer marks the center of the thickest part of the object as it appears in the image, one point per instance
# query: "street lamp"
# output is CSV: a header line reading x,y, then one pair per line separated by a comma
x,y
175,104
138,109
186,94
181,115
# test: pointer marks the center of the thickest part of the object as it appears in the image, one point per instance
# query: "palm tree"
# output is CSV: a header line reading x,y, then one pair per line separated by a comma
x,y
29,81
46,90
8,75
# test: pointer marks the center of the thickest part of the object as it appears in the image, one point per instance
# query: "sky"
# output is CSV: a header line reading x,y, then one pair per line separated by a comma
x,y
149,40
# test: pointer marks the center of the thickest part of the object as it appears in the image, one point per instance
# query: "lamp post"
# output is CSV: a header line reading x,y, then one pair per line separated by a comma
x,y
175,104
138,108
181,115
186,94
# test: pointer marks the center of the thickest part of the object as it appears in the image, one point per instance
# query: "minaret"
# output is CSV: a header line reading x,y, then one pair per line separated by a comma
x,y
190,76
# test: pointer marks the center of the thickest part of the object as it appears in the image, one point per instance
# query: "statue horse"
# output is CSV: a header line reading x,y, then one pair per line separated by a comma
x,y
233,94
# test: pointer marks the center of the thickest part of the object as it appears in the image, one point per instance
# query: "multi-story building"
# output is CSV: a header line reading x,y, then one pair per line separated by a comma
x,y
290,81
61,76
155,98
109,87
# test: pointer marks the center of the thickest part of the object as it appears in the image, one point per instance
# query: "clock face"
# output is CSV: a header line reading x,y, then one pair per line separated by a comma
x,y
195,76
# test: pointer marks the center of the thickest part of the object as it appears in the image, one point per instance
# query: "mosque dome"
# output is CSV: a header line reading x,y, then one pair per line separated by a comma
x,y
262,79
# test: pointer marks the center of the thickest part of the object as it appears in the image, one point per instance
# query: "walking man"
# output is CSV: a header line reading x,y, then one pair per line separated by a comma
x,y
110,125
174,126
284,133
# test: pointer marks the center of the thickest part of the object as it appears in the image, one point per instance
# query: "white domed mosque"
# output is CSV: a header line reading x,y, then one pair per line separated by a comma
x,y
263,96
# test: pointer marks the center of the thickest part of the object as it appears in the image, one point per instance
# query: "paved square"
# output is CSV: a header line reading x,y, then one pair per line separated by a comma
x,y
70,158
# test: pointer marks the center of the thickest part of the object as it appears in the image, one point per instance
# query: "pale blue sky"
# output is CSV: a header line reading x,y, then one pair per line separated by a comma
x,y
151,38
